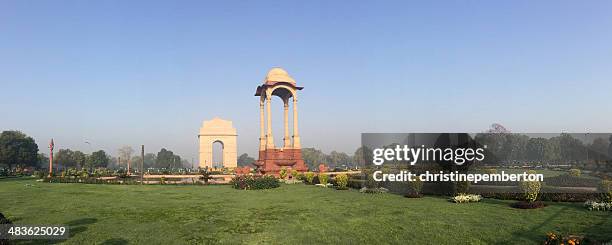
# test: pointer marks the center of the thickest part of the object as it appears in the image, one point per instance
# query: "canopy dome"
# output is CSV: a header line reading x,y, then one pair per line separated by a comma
x,y
277,74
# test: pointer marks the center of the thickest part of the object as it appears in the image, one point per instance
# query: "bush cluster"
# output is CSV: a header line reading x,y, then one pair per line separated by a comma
x,y
309,177
531,189
574,172
323,179
605,188
283,173
415,188
248,182
342,181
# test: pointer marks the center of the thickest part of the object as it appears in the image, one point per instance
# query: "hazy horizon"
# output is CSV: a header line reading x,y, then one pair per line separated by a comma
x,y
118,73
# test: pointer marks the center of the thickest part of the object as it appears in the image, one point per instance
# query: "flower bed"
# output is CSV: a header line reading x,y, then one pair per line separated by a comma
x,y
465,198
599,206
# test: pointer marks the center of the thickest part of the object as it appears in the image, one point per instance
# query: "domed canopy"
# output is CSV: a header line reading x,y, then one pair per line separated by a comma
x,y
278,75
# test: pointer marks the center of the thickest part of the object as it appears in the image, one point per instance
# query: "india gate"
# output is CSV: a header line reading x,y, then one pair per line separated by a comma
x,y
271,158
289,155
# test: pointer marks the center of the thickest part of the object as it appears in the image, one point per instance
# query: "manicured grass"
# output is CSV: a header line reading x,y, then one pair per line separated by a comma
x,y
168,214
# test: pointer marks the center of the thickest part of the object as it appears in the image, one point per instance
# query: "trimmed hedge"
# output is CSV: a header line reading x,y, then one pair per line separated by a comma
x,y
571,181
247,182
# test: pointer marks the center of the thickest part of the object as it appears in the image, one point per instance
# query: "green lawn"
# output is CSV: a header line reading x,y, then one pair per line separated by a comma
x,y
155,214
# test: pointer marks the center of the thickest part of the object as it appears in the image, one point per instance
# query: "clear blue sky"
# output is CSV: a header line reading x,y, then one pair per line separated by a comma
x,y
148,72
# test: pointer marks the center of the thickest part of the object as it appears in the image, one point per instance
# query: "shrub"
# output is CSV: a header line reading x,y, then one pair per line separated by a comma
x,y
356,183
574,172
323,178
309,177
342,181
283,173
415,186
605,188
463,187
370,181
39,174
464,198
295,174
531,189
247,182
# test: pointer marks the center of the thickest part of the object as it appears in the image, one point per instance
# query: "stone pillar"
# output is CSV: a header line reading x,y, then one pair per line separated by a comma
x,y
51,163
262,136
286,139
269,137
296,136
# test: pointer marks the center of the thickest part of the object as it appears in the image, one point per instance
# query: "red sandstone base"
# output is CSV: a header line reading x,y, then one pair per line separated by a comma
x,y
272,160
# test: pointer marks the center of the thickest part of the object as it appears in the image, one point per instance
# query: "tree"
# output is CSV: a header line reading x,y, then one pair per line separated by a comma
x,y
245,160
610,147
149,160
16,148
313,157
64,158
571,148
167,159
599,145
43,160
98,159
125,153
336,159
536,148
79,158
362,155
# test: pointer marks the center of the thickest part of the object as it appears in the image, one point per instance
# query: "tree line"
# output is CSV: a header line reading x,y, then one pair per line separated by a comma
x,y
19,150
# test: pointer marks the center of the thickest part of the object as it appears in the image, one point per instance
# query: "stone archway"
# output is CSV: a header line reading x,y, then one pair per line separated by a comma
x,y
218,130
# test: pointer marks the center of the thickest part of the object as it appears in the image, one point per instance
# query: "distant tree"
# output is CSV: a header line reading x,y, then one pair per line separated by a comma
x,y
16,148
313,157
610,147
167,159
64,158
571,148
113,162
98,159
599,145
536,148
79,158
362,155
337,159
150,159
136,161
245,160
43,160
185,163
